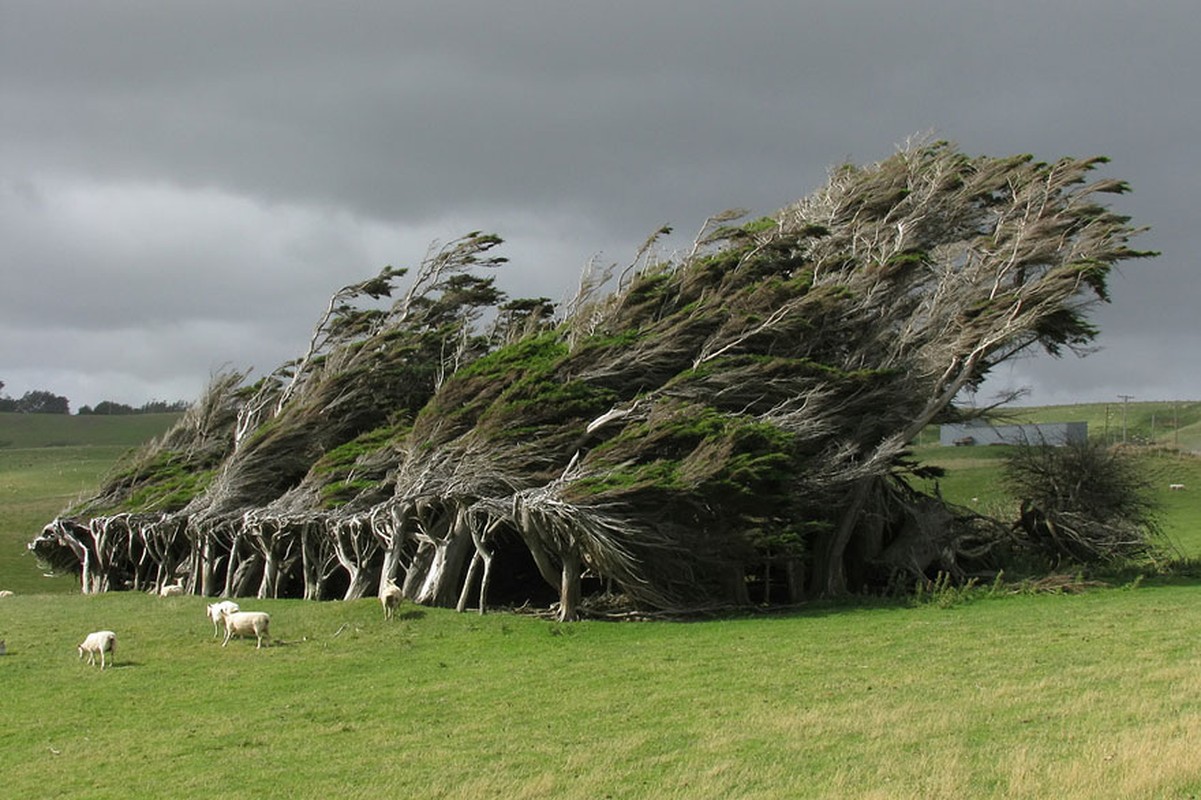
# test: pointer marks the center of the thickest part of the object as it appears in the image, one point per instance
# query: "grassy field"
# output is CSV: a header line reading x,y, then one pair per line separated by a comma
x,y
46,462
988,694
24,431
1089,696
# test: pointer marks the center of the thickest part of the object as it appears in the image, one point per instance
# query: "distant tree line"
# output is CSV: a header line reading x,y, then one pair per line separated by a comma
x,y
37,401
152,407
40,401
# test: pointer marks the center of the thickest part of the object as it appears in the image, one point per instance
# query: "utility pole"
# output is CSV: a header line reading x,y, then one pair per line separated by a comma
x,y
1125,398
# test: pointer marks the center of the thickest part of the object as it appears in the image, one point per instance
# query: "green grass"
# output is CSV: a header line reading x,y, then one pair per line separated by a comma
x,y
1096,695
18,431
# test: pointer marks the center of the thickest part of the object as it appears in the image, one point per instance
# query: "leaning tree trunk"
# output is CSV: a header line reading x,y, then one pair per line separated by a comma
x,y
244,567
418,568
263,534
483,558
829,571
106,537
137,558
318,560
441,584
356,547
389,524
569,587
208,567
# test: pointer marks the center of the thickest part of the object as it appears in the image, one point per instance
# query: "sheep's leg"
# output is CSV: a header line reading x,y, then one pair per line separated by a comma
x,y
228,632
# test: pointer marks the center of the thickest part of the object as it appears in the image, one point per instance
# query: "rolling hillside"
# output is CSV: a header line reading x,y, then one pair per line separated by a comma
x,y
1170,423
46,462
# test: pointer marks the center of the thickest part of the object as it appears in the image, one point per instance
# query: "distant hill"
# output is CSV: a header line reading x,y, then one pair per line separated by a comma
x,y
19,431
1174,423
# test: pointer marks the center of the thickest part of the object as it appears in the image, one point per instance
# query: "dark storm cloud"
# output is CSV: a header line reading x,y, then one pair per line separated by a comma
x,y
180,176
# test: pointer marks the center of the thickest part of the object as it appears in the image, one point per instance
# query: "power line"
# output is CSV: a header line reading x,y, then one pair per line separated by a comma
x,y
1125,399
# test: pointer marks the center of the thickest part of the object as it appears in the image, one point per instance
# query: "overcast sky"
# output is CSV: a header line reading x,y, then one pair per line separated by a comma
x,y
184,184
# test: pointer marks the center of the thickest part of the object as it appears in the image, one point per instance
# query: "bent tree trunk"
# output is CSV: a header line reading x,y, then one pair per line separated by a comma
x,y
355,547
443,553
483,558
391,528
829,571
569,587
441,583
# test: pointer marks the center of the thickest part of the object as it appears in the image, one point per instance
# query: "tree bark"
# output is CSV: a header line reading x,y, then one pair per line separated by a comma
x,y
829,570
569,587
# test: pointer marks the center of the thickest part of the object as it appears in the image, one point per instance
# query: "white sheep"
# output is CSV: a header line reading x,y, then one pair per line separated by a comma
x,y
99,642
217,610
1176,487
246,622
5,593
171,590
389,598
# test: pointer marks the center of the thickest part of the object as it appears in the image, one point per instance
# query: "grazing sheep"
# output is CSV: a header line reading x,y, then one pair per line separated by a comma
x,y
1176,487
246,622
99,642
217,610
5,593
172,590
389,598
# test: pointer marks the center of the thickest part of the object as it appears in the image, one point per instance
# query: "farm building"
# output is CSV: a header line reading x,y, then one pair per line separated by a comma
x,y
1053,433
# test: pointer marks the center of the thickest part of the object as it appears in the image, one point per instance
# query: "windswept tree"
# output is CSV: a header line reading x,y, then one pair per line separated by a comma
x,y
725,427
945,266
1082,503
